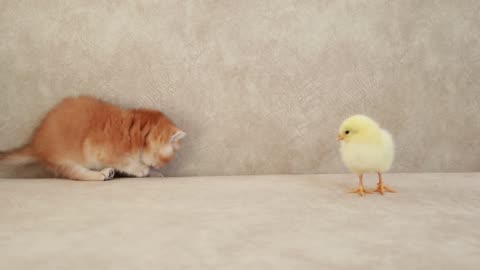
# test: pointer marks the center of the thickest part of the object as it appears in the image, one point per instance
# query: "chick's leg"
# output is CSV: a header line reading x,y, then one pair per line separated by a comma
x,y
381,188
360,190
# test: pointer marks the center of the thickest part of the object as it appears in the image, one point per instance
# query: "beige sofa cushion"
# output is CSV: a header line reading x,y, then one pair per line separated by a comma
x,y
249,222
260,86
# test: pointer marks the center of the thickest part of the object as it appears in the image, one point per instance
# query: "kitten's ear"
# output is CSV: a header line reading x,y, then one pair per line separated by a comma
x,y
177,136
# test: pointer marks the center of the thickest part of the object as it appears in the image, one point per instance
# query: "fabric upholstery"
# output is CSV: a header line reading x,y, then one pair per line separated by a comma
x,y
259,86
244,222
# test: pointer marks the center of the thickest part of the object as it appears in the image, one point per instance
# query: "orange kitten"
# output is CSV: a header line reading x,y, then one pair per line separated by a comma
x,y
87,139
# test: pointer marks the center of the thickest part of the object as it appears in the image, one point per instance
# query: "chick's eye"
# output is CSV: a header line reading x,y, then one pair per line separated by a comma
x,y
347,131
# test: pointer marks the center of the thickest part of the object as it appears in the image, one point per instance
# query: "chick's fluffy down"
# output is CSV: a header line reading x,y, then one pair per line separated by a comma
x,y
369,157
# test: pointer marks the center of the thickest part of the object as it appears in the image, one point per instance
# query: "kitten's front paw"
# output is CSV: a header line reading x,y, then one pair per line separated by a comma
x,y
108,173
136,170
140,171
145,172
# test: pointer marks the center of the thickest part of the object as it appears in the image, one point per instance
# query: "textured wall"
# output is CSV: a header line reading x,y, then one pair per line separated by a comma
x,y
260,86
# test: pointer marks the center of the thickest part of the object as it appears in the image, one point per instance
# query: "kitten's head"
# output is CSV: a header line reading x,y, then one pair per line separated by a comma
x,y
161,143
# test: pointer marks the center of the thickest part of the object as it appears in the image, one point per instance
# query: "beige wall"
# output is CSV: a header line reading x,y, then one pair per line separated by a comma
x,y
260,86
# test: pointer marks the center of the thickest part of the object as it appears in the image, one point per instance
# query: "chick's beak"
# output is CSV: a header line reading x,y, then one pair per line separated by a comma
x,y
340,137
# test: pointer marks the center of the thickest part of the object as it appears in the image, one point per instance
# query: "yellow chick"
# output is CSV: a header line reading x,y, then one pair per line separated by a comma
x,y
366,148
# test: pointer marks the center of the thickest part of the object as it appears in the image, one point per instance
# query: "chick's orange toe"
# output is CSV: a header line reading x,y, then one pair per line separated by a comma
x,y
381,188
360,190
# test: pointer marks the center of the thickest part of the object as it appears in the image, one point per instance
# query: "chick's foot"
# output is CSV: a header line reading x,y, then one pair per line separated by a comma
x,y
381,188
360,190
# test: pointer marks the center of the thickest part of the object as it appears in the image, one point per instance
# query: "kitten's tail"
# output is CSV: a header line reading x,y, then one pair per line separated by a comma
x,y
18,156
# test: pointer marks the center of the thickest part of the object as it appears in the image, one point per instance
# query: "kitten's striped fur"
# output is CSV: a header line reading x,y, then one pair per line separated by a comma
x,y
84,138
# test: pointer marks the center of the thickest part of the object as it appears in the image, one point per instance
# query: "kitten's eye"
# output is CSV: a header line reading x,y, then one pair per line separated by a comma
x,y
347,131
